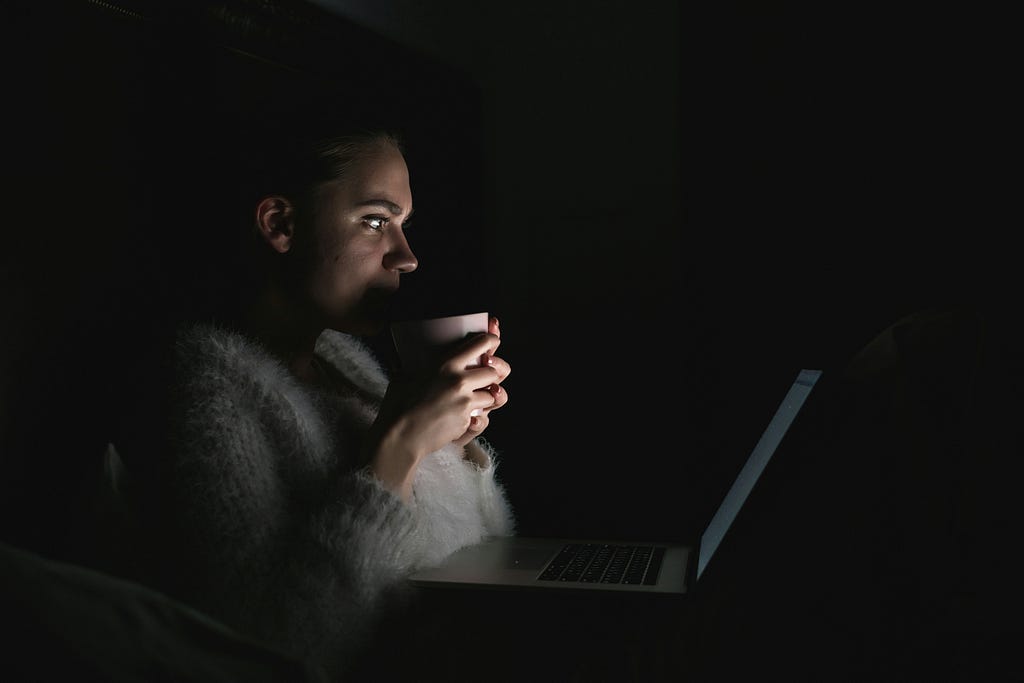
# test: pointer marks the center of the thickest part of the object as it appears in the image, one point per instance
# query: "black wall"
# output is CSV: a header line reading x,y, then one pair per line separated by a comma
x,y
126,119
836,169
830,170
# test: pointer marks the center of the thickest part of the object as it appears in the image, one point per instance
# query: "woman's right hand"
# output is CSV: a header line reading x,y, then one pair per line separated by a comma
x,y
422,413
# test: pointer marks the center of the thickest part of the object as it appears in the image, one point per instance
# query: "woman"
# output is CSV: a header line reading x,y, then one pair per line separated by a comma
x,y
296,486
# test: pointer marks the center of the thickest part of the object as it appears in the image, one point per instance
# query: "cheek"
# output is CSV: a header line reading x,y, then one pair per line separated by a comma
x,y
325,258
333,251
341,267
345,258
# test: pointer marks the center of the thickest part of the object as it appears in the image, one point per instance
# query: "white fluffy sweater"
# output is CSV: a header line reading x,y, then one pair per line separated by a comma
x,y
274,527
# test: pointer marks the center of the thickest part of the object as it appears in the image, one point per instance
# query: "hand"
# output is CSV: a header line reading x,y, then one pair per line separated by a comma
x,y
478,423
422,413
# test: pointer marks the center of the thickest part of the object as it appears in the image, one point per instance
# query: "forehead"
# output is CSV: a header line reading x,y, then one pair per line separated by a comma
x,y
382,171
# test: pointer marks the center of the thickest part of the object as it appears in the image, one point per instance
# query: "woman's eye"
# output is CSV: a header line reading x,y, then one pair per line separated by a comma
x,y
376,222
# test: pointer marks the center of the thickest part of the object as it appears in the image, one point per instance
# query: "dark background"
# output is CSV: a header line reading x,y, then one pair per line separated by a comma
x,y
671,208
699,201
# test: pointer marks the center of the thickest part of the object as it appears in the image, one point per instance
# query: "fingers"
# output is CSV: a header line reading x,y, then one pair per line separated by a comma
x,y
487,399
478,423
480,355
479,417
481,380
499,395
478,350
473,375
476,427
499,365
479,345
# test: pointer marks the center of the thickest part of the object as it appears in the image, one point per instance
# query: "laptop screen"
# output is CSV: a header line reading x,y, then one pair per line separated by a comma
x,y
754,466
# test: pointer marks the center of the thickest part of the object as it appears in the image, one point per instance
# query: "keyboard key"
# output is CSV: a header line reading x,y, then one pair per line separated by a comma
x,y
605,563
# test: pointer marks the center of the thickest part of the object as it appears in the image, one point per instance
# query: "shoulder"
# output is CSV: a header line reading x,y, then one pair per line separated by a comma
x,y
212,357
212,342
353,358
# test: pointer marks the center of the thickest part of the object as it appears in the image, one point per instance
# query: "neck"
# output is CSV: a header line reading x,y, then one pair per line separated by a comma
x,y
285,330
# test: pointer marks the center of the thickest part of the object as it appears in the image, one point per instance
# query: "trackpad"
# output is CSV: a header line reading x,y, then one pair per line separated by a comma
x,y
527,558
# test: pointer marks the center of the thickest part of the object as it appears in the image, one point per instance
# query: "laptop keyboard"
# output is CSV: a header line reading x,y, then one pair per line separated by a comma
x,y
605,563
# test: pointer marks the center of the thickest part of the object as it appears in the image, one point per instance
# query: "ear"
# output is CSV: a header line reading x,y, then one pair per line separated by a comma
x,y
275,222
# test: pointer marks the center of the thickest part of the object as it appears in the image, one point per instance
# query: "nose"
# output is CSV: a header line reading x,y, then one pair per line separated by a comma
x,y
400,257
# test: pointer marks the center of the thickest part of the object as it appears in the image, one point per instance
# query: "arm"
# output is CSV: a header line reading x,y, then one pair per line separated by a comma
x,y
457,503
452,486
422,414
270,537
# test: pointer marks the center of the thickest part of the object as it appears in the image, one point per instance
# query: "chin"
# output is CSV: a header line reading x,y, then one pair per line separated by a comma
x,y
372,316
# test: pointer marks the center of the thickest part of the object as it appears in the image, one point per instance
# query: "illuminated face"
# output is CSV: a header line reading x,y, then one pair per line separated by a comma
x,y
358,249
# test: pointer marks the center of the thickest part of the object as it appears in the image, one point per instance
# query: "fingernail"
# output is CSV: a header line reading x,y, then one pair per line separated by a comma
x,y
475,412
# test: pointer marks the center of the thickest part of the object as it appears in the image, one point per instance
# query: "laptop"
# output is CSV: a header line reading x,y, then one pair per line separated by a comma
x,y
617,565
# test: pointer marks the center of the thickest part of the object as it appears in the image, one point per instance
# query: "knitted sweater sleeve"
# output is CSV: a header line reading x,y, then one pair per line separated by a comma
x,y
457,503
274,547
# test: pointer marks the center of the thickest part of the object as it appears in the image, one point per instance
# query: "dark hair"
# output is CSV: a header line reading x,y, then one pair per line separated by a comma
x,y
297,168
336,155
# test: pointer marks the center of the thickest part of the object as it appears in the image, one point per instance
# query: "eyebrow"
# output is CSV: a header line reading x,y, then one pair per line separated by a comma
x,y
395,209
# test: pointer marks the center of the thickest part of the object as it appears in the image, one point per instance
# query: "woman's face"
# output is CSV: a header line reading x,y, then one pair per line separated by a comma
x,y
358,246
